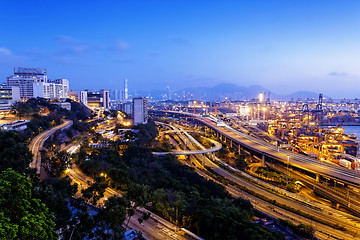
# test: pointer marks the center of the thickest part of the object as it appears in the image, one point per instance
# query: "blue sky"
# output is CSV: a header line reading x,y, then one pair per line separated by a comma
x,y
285,46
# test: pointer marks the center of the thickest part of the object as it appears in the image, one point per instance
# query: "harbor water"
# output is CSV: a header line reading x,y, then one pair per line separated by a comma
x,y
352,130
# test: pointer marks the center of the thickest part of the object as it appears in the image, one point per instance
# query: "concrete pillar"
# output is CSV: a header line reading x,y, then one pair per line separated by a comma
x,y
213,157
231,143
317,177
263,160
239,149
204,159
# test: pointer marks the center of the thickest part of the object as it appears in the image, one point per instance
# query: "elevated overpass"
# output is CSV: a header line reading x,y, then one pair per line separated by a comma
x,y
269,152
217,147
203,151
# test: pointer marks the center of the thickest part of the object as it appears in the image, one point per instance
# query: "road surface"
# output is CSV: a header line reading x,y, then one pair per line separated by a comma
x,y
333,216
38,141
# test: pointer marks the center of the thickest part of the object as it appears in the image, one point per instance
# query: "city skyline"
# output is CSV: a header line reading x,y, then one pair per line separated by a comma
x,y
282,46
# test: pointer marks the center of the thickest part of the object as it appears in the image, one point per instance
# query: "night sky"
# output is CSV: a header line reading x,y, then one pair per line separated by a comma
x,y
285,46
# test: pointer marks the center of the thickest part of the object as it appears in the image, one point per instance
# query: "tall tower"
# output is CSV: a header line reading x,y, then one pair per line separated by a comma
x,y
126,89
168,93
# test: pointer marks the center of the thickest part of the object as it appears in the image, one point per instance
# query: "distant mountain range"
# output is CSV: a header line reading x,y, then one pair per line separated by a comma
x,y
224,91
302,95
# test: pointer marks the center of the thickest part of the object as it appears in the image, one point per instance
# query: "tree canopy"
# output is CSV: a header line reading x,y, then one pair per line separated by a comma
x,y
13,152
21,215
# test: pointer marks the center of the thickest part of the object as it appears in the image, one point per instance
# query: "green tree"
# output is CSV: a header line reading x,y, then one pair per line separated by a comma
x,y
55,194
138,195
232,220
95,192
147,133
21,109
113,215
23,216
56,161
241,163
118,178
13,152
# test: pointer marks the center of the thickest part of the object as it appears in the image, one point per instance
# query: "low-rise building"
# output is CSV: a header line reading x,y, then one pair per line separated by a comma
x,y
126,107
65,105
98,99
79,96
15,126
8,96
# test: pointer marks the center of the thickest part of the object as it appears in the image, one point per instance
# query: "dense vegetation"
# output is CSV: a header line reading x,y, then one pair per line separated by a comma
x,y
13,152
277,178
23,216
45,114
30,209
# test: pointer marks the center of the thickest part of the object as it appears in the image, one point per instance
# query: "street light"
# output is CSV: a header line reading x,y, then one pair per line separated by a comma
x,y
287,170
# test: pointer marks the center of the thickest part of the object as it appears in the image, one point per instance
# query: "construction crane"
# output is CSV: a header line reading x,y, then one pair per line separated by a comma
x,y
318,111
305,109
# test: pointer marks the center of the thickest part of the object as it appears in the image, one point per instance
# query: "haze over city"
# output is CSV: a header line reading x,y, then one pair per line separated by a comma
x,y
281,45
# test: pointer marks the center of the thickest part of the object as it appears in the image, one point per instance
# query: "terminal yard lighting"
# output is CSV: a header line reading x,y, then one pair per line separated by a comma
x,y
261,97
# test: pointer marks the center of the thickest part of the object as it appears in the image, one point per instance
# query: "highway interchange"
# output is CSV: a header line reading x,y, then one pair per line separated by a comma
x,y
297,160
153,230
322,231
272,151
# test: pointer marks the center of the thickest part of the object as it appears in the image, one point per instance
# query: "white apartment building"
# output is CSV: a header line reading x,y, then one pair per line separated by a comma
x,y
79,96
83,97
50,90
33,82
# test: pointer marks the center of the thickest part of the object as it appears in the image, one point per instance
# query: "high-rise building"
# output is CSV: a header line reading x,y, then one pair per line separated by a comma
x,y
140,111
33,82
24,79
83,97
106,98
168,93
126,93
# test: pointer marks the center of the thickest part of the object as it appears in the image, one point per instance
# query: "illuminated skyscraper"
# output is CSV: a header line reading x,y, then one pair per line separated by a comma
x,y
126,89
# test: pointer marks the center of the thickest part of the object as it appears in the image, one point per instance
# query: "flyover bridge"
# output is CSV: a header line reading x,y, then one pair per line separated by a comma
x,y
216,148
268,151
217,145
